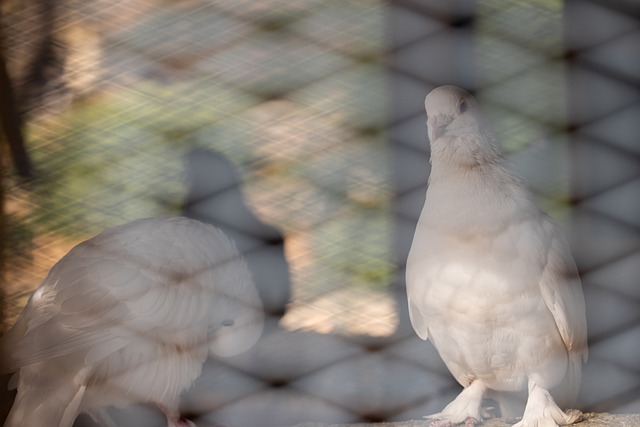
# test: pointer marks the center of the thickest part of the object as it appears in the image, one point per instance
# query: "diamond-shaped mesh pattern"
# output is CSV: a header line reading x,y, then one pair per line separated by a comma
x,y
298,128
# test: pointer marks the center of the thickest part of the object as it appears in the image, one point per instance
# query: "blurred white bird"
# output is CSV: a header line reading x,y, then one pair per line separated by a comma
x,y
490,278
129,316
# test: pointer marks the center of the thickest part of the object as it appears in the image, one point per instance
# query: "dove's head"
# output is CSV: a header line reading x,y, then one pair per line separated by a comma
x,y
450,110
456,127
237,314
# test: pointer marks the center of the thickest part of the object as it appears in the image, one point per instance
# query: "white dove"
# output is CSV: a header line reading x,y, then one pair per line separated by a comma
x,y
490,277
129,316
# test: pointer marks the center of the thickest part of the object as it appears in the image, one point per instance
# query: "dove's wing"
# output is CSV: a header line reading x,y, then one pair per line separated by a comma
x,y
106,292
418,320
562,291
417,279
84,307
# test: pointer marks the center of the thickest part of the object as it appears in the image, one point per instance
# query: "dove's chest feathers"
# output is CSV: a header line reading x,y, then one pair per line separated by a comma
x,y
474,270
477,230
475,217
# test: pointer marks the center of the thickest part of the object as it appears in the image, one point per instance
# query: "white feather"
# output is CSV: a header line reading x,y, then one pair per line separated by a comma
x,y
129,316
490,279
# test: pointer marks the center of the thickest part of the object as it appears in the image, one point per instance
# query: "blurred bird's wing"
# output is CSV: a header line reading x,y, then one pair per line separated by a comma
x,y
98,298
76,310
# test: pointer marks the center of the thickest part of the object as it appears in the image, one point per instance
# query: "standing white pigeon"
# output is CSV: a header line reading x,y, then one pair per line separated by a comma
x,y
129,316
490,278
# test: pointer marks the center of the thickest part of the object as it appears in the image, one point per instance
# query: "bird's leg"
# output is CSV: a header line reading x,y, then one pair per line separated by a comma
x,y
542,411
173,417
464,409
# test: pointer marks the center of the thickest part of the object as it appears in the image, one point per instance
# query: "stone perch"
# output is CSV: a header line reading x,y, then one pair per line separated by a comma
x,y
588,420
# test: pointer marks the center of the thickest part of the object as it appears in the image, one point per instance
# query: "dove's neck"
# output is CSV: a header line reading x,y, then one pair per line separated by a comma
x,y
484,182
452,168
473,153
474,148
483,196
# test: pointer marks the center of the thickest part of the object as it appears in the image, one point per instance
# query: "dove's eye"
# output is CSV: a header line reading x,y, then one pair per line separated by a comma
x,y
228,322
463,107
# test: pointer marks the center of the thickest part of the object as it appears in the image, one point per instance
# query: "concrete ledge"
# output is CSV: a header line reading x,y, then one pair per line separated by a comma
x,y
589,420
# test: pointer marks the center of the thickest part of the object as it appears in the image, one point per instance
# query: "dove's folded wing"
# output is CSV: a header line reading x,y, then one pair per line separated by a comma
x,y
418,320
88,307
562,292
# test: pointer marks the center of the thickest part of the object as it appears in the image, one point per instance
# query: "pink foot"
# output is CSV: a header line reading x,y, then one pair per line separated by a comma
x,y
182,422
471,422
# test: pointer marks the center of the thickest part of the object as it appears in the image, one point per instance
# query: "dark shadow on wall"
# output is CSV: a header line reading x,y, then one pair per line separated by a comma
x,y
215,197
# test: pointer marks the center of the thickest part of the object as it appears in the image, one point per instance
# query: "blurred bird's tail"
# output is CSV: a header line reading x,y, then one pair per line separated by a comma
x,y
39,404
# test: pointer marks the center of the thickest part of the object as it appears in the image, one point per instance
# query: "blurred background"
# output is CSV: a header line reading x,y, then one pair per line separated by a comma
x,y
298,128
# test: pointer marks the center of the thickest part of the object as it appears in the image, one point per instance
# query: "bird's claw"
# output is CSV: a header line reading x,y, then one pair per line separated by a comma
x,y
183,422
471,422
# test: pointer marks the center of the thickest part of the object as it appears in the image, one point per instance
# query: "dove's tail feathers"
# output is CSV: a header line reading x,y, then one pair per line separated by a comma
x,y
574,375
511,404
566,393
38,404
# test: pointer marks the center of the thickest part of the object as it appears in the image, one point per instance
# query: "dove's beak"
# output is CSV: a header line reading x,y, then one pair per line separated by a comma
x,y
438,126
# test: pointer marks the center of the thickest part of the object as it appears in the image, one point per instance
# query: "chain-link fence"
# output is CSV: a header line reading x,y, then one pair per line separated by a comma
x,y
298,129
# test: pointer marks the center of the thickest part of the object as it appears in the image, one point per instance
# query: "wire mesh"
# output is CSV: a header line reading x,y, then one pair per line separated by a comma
x,y
298,129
